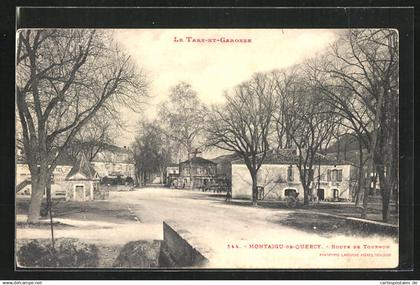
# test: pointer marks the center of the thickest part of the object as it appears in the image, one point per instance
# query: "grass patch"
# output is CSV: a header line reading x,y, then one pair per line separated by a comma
x,y
90,210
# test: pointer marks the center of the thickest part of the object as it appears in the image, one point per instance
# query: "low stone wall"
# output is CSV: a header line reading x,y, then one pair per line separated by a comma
x,y
375,227
181,249
366,226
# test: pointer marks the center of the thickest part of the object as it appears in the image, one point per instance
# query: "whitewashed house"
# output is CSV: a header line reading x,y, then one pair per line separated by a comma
x,y
278,177
23,178
114,161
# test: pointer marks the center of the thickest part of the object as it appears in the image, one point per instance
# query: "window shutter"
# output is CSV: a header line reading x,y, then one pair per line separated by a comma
x,y
340,175
290,173
328,174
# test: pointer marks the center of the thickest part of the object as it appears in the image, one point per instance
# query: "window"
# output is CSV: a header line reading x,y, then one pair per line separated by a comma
x,y
340,175
290,173
336,175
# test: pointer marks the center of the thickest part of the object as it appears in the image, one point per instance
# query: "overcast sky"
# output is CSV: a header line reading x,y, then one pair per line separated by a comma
x,y
212,67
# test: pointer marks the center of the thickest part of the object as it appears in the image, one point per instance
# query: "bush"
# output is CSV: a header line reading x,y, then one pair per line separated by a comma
x,y
34,254
69,253
139,254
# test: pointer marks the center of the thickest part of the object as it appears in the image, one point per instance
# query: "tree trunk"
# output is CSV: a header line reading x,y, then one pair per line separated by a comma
x,y
144,178
338,147
190,171
385,206
49,207
360,183
38,186
365,202
345,150
305,194
366,191
137,178
360,178
385,193
254,189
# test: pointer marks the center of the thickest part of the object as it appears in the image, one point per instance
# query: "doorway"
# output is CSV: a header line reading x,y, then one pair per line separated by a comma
x,y
79,193
335,194
320,193
290,192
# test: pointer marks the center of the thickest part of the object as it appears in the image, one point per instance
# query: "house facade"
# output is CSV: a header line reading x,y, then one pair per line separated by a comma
x,y
201,170
171,174
114,161
279,177
111,162
23,178
224,165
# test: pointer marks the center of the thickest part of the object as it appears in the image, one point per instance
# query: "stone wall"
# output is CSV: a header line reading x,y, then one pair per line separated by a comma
x,y
181,248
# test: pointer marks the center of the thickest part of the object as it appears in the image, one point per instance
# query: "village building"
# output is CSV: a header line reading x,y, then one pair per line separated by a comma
x,y
23,178
112,162
278,177
82,182
115,163
201,170
172,174
224,165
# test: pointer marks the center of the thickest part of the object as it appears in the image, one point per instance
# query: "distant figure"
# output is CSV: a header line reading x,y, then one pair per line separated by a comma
x,y
228,196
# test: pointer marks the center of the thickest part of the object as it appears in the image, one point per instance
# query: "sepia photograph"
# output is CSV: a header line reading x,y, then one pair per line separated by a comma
x,y
207,148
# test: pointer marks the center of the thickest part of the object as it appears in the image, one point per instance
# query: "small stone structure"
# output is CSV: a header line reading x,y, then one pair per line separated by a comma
x,y
82,182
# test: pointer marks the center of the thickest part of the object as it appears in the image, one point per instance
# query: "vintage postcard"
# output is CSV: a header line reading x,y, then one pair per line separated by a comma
x,y
207,148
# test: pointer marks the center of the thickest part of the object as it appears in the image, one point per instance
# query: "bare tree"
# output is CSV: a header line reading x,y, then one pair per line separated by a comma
x,y
242,125
183,118
361,80
63,79
151,150
92,138
303,119
312,129
286,85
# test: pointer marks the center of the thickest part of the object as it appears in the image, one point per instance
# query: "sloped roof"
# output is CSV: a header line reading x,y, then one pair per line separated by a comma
x,y
289,156
227,158
198,160
64,159
114,154
114,148
82,167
